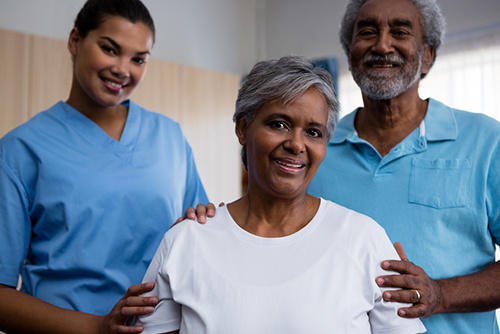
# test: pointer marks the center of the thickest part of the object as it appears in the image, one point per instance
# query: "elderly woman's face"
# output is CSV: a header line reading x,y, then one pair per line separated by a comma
x,y
286,144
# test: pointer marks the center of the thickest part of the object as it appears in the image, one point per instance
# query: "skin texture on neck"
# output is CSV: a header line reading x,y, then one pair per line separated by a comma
x,y
385,123
273,218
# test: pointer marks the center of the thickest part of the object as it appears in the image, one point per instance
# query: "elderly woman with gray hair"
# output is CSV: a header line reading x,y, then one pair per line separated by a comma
x,y
277,260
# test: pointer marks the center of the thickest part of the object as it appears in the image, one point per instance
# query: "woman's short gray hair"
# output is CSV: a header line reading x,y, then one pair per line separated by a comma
x,y
284,79
433,23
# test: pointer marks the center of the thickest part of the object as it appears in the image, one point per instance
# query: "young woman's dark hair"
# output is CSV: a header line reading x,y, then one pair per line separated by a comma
x,y
94,12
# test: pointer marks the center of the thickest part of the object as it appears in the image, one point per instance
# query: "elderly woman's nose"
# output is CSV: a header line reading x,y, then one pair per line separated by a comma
x,y
295,142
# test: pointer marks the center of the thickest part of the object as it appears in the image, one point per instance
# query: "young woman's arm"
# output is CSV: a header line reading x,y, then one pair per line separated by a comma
x,y
22,313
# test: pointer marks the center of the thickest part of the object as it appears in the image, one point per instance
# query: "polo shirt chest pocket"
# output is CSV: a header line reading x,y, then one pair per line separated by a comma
x,y
440,183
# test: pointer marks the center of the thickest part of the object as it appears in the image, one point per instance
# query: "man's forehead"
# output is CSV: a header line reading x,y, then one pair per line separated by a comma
x,y
395,13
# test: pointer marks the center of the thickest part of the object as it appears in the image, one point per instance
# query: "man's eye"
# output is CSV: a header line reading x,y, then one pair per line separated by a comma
x,y
400,33
366,33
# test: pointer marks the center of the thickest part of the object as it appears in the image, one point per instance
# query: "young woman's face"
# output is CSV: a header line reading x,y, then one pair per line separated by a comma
x,y
110,61
286,144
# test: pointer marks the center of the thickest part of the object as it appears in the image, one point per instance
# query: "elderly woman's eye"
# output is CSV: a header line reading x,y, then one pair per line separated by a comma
x,y
315,133
278,125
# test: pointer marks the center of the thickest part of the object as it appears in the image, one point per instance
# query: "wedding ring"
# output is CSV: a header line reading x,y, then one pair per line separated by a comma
x,y
418,295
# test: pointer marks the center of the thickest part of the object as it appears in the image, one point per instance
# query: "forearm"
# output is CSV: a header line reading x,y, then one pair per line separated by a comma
x,y
479,292
21,313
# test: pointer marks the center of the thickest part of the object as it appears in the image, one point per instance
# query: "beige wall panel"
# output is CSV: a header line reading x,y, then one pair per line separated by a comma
x,y
159,90
14,51
50,73
207,107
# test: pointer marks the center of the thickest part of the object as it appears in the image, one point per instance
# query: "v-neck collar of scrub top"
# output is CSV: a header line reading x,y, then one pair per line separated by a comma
x,y
98,138
439,124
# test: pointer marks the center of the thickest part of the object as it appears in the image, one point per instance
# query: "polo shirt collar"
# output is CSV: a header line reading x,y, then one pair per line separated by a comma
x,y
440,124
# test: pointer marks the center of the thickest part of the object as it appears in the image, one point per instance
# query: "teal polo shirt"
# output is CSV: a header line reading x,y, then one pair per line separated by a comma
x,y
437,192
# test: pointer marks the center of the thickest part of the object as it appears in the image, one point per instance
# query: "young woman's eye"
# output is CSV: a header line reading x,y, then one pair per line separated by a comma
x,y
139,61
108,49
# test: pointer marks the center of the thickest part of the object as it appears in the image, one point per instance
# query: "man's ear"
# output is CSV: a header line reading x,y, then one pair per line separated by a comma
x,y
74,38
427,59
241,131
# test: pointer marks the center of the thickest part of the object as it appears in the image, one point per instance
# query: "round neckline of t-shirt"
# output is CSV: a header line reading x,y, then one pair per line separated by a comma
x,y
278,241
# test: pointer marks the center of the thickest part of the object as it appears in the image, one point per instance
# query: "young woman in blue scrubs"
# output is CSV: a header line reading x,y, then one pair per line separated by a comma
x,y
89,187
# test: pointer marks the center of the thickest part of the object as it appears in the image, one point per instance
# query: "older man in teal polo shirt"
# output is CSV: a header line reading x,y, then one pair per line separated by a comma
x,y
429,174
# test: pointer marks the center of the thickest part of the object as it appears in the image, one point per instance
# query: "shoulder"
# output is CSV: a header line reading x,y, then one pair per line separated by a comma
x,y
192,229
33,124
44,124
347,215
474,121
352,223
152,116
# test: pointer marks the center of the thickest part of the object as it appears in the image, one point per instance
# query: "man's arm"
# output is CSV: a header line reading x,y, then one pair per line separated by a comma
x,y
478,292
22,313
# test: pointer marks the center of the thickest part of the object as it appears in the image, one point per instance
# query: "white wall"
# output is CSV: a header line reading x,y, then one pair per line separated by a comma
x,y
310,27
211,34
231,35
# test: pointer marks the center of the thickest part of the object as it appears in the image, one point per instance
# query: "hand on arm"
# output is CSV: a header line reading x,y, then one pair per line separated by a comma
x,y
129,306
478,292
417,288
22,313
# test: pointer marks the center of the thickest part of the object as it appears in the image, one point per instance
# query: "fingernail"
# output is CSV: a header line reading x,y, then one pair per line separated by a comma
x,y
149,309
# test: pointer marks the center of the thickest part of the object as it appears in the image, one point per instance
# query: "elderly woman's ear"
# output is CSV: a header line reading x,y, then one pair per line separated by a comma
x,y
241,131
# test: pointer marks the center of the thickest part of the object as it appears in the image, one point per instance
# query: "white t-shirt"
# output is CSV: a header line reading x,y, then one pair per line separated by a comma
x,y
217,278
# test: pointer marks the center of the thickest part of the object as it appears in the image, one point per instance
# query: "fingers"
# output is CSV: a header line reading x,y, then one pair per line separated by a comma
x,y
416,286
211,210
402,267
190,213
417,311
411,296
138,289
405,281
401,252
136,306
201,212
128,329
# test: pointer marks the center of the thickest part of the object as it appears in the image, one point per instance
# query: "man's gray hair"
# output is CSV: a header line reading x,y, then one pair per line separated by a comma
x,y
284,80
433,23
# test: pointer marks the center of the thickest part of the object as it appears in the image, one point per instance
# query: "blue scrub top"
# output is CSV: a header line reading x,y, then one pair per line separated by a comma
x,y
437,192
87,212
